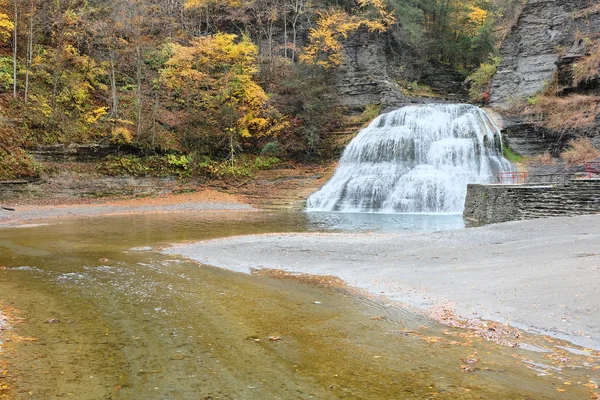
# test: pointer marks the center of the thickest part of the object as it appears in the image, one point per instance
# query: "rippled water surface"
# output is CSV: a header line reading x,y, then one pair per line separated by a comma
x,y
135,324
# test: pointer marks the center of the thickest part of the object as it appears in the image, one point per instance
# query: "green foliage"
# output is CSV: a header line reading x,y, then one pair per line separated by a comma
x,y
480,80
512,155
271,149
168,165
182,161
461,33
265,162
6,73
410,17
184,166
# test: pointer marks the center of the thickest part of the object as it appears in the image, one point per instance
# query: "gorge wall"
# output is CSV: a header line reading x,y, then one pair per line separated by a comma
x,y
546,41
549,38
377,64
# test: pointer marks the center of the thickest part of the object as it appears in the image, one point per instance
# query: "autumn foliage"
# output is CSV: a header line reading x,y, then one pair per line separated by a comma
x,y
209,79
215,76
334,25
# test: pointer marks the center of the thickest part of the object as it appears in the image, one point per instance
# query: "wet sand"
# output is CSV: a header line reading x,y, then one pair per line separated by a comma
x,y
541,275
206,200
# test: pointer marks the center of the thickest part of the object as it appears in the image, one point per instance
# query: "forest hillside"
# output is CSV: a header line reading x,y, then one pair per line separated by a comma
x,y
217,88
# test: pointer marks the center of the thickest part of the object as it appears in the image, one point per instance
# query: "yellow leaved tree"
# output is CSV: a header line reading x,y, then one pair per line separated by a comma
x,y
325,47
6,25
467,19
215,75
190,4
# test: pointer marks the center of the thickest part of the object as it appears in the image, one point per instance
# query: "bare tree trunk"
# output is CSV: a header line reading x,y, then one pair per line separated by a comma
x,y
154,112
15,45
270,40
114,112
139,55
207,18
29,53
298,4
285,32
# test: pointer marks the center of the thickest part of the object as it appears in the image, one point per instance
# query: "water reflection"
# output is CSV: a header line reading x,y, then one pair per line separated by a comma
x,y
384,223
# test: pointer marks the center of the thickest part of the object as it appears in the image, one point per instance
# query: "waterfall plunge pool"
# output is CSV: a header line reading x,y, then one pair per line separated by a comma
x,y
385,222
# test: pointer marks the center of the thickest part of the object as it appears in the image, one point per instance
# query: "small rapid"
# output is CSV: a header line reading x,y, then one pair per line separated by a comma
x,y
417,159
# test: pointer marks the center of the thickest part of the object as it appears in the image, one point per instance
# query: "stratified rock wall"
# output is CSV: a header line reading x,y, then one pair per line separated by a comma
x,y
374,63
547,35
363,77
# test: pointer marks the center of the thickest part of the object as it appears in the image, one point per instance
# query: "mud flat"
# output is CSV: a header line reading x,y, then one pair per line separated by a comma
x,y
542,275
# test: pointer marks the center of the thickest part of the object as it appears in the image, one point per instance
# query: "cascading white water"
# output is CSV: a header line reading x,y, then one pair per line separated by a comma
x,y
418,159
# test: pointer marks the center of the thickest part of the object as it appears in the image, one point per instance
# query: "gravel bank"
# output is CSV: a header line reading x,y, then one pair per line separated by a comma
x,y
202,201
542,274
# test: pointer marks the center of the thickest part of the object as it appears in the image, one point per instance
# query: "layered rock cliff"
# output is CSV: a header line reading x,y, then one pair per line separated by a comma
x,y
547,39
375,64
364,77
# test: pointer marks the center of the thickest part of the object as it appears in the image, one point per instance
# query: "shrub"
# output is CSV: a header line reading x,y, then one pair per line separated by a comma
x,y
17,163
480,80
564,113
587,68
243,167
271,149
6,73
580,151
170,164
121,135
512,155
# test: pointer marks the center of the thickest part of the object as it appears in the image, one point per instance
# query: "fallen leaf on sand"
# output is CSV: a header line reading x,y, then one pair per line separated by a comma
x,y
466,368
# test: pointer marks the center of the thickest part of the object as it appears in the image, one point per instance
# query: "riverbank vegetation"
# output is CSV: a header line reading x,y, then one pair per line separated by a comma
x,y
208,80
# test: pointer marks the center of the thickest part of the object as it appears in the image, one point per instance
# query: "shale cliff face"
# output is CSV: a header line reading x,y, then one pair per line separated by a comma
x,y
545,41
363,77
374,63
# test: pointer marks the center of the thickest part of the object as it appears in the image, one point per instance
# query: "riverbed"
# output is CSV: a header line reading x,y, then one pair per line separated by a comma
x,y
103,314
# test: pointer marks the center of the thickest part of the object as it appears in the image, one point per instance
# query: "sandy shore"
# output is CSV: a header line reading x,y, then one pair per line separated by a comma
x,y
542,275
206,200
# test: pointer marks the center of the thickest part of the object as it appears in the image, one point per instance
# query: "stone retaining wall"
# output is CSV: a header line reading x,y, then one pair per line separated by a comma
x,y
490,204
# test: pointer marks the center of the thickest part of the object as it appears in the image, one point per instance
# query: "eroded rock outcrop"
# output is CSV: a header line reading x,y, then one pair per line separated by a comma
x,y
375,62
545,43
363,77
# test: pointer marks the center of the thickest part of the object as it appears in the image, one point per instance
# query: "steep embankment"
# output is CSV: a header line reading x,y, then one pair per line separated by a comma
x,y
550,36
548,78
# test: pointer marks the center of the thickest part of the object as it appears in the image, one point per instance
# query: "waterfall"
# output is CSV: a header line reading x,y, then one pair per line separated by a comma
x,y
417,159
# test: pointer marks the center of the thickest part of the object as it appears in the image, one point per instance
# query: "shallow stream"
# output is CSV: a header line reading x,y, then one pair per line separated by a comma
x,y
106,317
